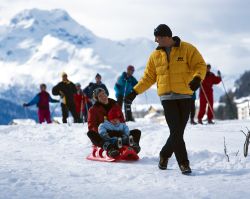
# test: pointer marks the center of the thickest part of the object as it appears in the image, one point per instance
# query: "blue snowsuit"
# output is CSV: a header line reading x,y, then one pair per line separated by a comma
x,y
106,128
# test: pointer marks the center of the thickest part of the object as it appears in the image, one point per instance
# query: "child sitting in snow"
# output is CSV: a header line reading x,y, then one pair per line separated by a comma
x,y
113,131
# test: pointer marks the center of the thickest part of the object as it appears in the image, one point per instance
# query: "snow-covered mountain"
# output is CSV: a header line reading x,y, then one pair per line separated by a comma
x,y
38,45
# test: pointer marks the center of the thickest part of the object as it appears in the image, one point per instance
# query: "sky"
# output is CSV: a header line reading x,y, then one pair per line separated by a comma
x,y
219,29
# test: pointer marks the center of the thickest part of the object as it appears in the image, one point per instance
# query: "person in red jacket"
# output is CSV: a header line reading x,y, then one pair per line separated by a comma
x,y
42,100
81,103
96,116
207,97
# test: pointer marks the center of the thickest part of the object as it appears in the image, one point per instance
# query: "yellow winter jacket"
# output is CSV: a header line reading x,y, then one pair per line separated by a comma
x,y
173,73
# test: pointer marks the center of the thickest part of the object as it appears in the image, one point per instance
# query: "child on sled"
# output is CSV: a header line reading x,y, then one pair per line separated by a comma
x,y
113,131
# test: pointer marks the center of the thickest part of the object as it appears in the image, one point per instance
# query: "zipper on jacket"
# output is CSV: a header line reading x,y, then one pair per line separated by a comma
x,y
168,59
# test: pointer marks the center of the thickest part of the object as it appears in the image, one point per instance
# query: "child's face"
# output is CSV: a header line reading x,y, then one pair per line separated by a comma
x,y
115,121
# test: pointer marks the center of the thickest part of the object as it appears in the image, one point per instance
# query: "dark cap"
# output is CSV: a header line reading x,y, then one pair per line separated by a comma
x,y
130,67
162,30
98,75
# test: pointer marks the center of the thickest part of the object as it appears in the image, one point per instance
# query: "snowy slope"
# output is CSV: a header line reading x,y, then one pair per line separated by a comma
x,y
48,161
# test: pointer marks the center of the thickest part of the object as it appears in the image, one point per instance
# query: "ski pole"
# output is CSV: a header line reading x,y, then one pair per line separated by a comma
x,y
209,105
124,95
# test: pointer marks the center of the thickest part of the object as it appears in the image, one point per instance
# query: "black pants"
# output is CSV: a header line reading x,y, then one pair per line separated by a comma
x,y
176,114
65,113
97,140
127,109
192,109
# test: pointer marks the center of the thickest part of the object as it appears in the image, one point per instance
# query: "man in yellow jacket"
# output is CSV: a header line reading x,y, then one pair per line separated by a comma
x,y
178,68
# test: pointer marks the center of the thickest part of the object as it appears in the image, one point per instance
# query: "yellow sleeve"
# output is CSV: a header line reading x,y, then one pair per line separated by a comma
x,y
148,79
197,64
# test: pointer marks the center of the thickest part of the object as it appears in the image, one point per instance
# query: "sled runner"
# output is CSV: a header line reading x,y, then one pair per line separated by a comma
x,y
127,153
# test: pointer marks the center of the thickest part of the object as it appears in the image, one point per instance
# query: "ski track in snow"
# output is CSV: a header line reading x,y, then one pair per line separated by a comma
x,y
49,161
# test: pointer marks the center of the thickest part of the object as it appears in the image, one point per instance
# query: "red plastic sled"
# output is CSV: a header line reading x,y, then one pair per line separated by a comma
x,y
127,153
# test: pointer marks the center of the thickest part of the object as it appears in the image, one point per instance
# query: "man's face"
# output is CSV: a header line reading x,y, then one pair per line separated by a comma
x,y
163,41
43,88
208,69
102,97
64,77
78,88
98,79
130,72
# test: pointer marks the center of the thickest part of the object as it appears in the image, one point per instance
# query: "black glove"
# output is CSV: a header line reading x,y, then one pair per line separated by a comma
x,y
130,97
25,105
219,73
195,83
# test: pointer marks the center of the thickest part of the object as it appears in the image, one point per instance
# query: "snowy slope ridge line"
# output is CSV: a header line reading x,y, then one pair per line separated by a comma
x,y
49,161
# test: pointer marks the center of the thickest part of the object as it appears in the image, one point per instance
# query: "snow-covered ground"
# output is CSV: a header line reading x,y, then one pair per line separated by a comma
x,y
49,161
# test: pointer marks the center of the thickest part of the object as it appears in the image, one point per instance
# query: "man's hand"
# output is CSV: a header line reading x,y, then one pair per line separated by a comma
x,y
130,97
195,83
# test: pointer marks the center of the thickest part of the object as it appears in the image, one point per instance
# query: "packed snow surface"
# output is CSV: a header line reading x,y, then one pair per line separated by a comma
x,y
49,161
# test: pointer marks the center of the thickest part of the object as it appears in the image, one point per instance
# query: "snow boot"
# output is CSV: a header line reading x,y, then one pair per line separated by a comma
x,y
111,150
136,147
193,122
200,122
210,122
185,168
113,153
163,163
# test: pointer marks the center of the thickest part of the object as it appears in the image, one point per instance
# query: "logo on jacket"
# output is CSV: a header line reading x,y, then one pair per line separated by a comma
x,y
180,59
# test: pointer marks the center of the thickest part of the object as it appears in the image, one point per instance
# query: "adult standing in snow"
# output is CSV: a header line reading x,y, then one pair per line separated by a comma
x,y
92,86
97,113
206,95
123,87
42,100
178,69
66,89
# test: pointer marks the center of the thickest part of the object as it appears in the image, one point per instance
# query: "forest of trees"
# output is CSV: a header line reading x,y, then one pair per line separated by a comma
x,y
228,108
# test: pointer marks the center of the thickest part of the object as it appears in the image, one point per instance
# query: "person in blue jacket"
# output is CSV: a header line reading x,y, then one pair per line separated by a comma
x,y
88,90
123,87
42,100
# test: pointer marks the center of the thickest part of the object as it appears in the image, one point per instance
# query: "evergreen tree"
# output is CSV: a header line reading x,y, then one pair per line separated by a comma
x,y
243,85
228,110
